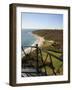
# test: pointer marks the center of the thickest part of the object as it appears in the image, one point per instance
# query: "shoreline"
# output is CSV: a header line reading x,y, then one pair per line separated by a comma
x,y
39,41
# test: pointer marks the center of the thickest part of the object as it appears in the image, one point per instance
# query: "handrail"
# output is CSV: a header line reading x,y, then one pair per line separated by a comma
x,y
49,54
55,57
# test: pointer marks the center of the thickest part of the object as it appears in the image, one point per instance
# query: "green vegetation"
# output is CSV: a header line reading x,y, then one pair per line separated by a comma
x,y
53,42
51,51
56,63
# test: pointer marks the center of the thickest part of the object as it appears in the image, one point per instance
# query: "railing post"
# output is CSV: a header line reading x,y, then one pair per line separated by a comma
x,y
37,59
43,62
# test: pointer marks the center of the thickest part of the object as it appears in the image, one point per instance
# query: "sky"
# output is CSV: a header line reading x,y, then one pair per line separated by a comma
x,y
41,21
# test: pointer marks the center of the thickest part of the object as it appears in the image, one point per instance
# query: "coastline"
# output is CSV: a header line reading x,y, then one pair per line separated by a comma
x,y
39,41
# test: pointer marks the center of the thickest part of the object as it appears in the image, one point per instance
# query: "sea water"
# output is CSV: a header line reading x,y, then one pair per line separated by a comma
x,y
27,38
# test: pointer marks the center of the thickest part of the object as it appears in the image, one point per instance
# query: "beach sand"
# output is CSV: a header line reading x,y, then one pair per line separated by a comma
x,y
39,41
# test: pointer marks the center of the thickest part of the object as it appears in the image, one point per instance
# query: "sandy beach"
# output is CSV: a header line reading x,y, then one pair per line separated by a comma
x,y
39,41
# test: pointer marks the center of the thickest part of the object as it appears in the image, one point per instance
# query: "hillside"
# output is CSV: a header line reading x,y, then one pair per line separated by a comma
x,y
54,35
46,60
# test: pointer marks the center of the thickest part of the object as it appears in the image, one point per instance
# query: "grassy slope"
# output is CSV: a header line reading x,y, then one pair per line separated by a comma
x,y
49,35
56,36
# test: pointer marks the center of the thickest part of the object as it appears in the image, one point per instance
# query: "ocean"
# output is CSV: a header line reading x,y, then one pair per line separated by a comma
x,y
27,38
